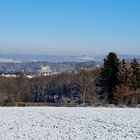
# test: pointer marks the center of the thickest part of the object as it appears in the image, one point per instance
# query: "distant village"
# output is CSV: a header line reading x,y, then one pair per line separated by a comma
x,y
44,71
33,69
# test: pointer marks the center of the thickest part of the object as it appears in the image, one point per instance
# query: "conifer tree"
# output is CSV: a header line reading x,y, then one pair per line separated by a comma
x,y
136,79
136,74
123,90
125,74
109,75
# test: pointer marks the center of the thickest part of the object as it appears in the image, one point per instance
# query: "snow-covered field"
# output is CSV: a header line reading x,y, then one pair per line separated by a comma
x,y
50,123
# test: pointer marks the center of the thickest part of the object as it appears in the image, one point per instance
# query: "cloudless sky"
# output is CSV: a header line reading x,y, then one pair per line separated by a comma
x,y
70,27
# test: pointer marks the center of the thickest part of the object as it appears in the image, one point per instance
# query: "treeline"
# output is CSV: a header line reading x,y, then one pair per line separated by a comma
x,y
117,82
72,88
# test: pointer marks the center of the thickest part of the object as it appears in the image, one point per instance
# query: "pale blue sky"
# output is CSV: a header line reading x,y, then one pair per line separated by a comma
x,y
70,27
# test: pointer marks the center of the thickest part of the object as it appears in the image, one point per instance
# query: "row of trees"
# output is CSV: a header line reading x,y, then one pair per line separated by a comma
x,y
74,88
117,82
120,80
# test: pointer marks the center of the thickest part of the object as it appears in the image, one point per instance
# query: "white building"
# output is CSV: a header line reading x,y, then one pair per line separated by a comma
x,y
46,70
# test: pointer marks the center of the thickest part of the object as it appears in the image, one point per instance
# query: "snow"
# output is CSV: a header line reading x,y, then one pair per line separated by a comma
x,y
57,123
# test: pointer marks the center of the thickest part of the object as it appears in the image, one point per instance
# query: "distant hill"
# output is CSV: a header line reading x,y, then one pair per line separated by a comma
x,y
32,68
13,57
31,64
49,58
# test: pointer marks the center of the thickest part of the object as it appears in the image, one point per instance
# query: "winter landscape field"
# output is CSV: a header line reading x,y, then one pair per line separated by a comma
x,y
56,123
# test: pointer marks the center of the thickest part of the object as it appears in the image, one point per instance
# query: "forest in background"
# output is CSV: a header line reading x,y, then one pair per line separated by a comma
x,y
116,82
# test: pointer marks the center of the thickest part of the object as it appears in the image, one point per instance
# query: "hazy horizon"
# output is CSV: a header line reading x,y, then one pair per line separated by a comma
x,y
72,27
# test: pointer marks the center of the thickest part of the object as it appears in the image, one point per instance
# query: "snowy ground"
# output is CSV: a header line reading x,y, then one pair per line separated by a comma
x,y
50,123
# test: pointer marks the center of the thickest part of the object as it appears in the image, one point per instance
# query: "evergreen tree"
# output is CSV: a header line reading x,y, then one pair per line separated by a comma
x,y
136,79
122,94
125,74
136,74
109,75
